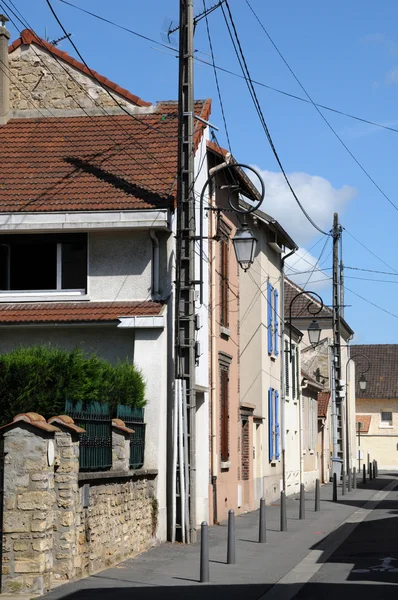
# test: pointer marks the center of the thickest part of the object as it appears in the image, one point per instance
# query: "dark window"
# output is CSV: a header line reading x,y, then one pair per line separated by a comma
x,y
287,369
43,262
224,412
224,283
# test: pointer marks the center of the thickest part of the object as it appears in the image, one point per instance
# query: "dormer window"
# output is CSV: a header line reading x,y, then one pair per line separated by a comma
x,y
43,263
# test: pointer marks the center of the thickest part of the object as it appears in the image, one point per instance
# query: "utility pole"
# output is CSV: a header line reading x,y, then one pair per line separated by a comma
x,y
342,302
336,399
185,505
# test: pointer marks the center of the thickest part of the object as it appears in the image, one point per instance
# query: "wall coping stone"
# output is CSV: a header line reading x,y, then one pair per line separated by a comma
x,y
132,474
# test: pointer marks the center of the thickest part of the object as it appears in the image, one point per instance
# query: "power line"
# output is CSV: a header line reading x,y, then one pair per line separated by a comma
x,y
371,271
216,78
370,251
229,72
317,263
372,303
252,91
320,112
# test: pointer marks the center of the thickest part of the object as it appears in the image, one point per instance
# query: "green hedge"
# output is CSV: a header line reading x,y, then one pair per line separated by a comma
x,y
41,378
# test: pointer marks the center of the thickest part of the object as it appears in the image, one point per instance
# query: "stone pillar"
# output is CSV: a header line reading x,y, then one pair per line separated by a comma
x,y
120,445
29,502
67,562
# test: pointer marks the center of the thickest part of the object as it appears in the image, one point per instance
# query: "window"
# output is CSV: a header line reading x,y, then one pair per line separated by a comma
x,y
224,281
273,320
312,423
43,262
273,424
386,419
224,364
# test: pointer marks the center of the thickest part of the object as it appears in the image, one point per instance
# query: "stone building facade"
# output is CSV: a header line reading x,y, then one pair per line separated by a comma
x,y
59,524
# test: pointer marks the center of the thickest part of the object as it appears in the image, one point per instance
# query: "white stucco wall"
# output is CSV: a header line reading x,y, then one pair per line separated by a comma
x,y
202,335
120,266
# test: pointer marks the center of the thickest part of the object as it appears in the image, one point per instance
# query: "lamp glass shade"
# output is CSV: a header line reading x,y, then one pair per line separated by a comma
x,y
314,333
245,247
362,383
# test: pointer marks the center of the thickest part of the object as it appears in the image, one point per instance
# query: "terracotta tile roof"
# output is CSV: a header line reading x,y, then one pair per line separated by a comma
x,y
323,403
365,420
29,37
300,306
75,312
91,163
382,376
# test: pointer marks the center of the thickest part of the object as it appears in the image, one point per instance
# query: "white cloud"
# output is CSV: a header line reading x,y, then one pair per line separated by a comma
x,y
392,76
300,265
318,196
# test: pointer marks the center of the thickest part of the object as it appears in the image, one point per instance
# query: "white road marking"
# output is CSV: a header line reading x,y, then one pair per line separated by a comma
x,y
309,566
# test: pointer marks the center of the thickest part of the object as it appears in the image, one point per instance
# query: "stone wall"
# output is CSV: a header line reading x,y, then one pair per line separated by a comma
x,y
37,80
59,524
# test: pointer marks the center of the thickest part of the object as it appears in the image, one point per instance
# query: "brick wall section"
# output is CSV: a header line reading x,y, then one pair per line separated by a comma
x,y
245,454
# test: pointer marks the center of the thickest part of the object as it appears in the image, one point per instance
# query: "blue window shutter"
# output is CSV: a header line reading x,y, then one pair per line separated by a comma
x,y
270,311
276,322
277,426
271,424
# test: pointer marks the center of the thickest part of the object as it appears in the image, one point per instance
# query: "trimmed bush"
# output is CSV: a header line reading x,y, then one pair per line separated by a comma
x,y
41,378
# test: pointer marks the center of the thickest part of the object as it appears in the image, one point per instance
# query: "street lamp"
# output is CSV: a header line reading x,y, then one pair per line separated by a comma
x,y
244,241
362,386
245,246
314,329
362,383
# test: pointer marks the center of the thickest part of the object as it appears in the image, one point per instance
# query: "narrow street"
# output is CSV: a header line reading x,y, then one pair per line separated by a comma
x,y
347,547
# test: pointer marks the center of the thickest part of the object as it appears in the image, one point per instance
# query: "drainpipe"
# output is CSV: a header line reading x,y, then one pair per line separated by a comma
x,y
155,272
213,366
4,75
283,359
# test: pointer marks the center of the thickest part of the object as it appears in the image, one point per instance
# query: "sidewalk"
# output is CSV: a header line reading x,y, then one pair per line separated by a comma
x,y
172,571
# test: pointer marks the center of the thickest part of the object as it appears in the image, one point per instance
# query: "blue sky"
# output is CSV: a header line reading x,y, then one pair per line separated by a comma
x,y
345,54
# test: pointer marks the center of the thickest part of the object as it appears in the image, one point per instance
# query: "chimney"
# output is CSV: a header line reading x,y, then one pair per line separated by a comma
x,y
4,71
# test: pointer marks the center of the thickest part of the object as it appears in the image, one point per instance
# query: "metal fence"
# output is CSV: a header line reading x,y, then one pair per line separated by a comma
x,y
134,418
96,444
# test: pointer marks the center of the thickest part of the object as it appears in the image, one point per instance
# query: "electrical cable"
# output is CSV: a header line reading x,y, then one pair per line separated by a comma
x,y
317,263
253,94
370,251
259,83
321,114
372,303
216,79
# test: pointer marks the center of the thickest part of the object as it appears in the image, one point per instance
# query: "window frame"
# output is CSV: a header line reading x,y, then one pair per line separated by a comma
x,y
224,281
224,363
386,423
57,293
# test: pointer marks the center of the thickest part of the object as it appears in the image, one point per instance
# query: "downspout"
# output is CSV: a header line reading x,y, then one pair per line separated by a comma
x,y
213,364
283,359
155,272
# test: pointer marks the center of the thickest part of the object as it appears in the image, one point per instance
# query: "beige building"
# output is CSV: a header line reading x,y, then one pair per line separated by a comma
x,y
377,406
317,362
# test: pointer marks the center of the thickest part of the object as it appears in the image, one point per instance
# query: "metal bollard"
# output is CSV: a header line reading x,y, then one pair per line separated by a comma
x,y
317,495
302,502
370,471
364,474
377,469
334,487
262,531
343,482
368,463
283,512
349,486
374,470
354,478
204,553
231,550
